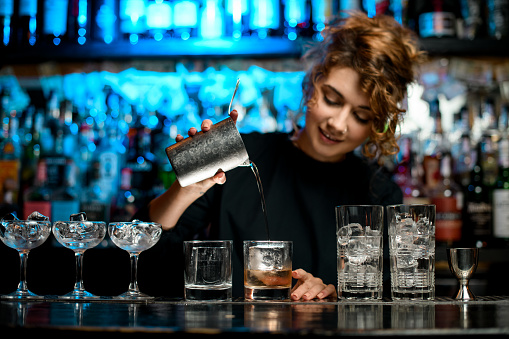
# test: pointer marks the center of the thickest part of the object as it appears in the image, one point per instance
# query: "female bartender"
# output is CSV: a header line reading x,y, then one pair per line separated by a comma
x,y
356,81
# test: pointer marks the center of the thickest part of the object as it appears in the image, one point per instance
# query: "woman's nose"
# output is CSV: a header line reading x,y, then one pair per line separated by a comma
x,y
339,121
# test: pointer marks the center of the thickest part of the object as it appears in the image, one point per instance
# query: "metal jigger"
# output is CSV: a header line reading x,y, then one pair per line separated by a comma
x,y
463,263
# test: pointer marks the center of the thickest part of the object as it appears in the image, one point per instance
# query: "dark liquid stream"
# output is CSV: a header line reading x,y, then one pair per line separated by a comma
x,y
262,197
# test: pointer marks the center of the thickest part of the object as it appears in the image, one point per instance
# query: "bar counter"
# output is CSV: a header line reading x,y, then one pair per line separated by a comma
x,y
486,316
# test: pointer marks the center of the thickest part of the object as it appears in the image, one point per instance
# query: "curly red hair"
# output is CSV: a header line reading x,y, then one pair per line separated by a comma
x,y
384,54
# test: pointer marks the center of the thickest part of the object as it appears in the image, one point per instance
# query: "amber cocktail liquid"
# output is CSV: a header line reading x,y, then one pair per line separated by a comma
x,y
267,270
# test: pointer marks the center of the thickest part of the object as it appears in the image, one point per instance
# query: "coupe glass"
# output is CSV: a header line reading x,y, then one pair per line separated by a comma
x,y
79,235
134,237
24,235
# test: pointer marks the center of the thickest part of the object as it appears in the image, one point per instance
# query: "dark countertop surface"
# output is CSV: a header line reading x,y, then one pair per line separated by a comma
x,y
442,317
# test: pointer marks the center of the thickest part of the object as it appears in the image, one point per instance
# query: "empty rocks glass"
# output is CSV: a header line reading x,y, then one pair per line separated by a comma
x,y
208,270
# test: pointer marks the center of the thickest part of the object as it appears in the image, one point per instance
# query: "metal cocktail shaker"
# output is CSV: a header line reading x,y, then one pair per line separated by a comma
x,y
201,156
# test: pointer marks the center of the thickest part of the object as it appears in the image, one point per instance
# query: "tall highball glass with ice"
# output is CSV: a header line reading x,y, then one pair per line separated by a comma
x,y
360,251
267,270
412,251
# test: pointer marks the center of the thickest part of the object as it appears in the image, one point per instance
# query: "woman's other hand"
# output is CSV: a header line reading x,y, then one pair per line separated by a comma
x,y
309,287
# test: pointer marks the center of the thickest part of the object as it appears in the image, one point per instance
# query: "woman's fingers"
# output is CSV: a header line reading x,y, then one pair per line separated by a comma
x,y
192,131
309,287
206,124
234,115
219,178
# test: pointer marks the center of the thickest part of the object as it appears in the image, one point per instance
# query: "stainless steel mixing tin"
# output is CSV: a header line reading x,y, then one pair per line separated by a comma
x,y
201,156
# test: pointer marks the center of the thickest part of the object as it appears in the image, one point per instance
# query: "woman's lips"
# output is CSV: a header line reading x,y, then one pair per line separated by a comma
x,y
327,138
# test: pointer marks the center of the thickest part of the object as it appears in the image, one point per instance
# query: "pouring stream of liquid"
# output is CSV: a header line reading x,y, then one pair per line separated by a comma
x,y
262,197
255,172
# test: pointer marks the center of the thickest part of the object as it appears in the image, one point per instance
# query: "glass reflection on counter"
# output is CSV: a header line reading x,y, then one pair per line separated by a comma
x,y
308,316
413,316
208,315
360,317
20,313
268,317
502,314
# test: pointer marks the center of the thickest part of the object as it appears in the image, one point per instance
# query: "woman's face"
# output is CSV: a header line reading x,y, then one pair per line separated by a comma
x,y
339,120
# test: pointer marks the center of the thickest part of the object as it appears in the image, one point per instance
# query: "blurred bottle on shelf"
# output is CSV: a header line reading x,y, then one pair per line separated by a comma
x,y
415,192
501,193
104,22
473,23
54,25
322,11
64,193
477,206
93,200
434,147
296,15
185,18
159,19
392,8
435,18
133,20
31,148
110,161
489,158
464,161
110,153
350,5
211,20
78,26
401,173
10,160
128,199
448,199
408,174
64,196
498,19
6,29
264,17
38,196
236,20
141,160
26,23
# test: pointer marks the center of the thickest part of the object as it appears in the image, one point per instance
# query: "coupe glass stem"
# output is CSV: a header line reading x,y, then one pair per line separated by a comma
x,y
22,286
133,285
78,286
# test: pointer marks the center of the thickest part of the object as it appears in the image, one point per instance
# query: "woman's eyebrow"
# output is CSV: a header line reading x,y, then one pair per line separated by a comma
x,y
343,98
